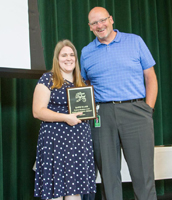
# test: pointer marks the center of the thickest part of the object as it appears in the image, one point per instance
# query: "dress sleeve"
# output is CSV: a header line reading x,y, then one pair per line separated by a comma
x,y
46,79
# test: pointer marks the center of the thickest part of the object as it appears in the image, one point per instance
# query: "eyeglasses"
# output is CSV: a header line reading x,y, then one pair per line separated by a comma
x,y
101,21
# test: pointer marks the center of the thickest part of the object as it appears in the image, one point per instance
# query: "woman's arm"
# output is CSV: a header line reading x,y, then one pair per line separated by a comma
x,y
40,111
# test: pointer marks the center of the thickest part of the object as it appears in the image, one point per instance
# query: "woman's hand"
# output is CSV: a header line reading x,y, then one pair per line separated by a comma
x,y
72,119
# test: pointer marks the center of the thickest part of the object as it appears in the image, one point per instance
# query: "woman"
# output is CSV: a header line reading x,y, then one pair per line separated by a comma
x,y
64,161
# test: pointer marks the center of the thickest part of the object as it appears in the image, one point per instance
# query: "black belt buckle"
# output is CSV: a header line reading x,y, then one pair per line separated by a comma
x,y
116,102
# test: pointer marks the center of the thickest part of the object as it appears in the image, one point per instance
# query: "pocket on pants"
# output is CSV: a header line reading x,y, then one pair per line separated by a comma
x,y
143,106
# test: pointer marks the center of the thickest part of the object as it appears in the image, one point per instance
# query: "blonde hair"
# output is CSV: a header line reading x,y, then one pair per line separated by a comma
x,y
57,76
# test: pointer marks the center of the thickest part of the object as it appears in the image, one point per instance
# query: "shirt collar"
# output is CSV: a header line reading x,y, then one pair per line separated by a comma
x,y
116,39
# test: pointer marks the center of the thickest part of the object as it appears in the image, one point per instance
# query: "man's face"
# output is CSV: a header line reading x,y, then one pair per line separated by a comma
x,y
101,24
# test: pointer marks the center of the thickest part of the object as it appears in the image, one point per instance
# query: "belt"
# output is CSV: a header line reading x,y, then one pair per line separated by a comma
x,y
116,102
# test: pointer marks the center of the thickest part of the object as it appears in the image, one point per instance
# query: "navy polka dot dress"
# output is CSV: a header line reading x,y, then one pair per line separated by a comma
x,y
64,161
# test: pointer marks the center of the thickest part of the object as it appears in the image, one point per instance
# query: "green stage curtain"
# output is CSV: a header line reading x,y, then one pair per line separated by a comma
x,y
18,138
67,19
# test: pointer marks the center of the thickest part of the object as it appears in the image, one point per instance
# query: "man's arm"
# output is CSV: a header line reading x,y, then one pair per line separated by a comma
x,y
151,86
83,72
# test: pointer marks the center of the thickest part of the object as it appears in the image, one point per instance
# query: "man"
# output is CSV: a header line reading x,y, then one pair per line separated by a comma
x,y
117,64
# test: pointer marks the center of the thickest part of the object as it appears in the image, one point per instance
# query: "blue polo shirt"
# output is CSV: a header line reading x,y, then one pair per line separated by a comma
x,y
116,70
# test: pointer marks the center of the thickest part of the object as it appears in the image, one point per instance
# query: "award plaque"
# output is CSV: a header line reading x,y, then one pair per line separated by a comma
x,y
81,99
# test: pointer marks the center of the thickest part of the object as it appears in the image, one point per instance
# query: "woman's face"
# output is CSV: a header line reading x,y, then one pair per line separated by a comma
x,y
67,60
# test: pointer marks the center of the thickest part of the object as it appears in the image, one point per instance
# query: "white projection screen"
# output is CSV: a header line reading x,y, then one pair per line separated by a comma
x,y
21,51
